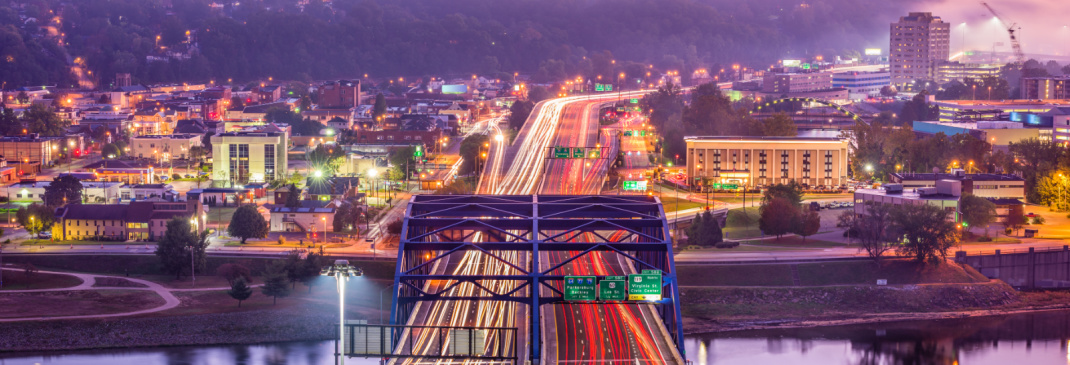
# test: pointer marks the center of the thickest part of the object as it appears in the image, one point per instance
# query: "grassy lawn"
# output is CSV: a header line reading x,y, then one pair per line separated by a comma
x,y
793,242
734,275
77,243
896,271
148,267
82,302
742,225
673,204
18,280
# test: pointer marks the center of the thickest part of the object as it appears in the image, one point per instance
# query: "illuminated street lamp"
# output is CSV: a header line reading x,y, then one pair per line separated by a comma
x,y
341,270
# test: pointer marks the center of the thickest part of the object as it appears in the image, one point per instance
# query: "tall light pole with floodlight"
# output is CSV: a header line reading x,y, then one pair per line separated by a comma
x,y
341,271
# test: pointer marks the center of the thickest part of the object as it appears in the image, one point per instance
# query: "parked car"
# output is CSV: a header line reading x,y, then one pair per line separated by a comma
x,y
44,234
1031,215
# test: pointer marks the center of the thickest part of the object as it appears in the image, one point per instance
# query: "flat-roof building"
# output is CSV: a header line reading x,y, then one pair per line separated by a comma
x,y
957,71
243,157
996,186
761,161
919,42
1043,88
861,84
945,195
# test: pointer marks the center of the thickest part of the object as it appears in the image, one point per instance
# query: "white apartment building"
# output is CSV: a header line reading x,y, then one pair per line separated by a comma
x,y
243,157
164,147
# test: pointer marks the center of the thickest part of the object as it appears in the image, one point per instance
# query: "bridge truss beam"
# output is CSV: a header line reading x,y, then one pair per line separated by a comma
x,y
437,227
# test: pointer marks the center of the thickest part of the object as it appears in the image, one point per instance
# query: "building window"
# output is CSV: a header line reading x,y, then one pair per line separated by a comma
x,y
269,162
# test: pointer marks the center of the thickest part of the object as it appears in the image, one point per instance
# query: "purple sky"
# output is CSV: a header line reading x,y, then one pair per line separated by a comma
x,y
1045,24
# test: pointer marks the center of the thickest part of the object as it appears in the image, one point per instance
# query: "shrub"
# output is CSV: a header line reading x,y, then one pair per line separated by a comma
x,y
233,271
1038,220
282,240
726,244
984,239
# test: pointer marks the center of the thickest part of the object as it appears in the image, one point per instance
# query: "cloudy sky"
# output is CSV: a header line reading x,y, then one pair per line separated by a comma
x,y
1045,24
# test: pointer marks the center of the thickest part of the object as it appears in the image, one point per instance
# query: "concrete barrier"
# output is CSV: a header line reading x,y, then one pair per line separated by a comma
x,y
1024,269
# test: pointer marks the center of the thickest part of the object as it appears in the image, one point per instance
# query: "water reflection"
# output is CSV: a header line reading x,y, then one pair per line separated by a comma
x,y
290,353
1035,338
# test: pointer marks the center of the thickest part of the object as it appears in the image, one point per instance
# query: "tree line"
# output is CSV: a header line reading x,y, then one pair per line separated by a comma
x,y
553,40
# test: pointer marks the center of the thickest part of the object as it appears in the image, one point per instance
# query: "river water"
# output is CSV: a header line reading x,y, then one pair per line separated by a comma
x,y
1032,338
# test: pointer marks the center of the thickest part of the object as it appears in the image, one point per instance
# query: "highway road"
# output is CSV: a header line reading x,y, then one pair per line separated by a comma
x,y
592,333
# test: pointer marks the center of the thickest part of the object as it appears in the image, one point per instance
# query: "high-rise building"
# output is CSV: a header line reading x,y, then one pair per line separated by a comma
x,y
1052,87
919,43
243,157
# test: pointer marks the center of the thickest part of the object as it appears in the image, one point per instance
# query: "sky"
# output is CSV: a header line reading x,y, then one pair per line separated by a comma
x,y
1045,24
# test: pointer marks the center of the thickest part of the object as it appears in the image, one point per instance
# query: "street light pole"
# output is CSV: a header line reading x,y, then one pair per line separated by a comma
x,y
381,302
341,270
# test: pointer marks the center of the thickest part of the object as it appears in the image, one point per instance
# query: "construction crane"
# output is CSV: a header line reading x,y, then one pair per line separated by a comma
x,y
1019,56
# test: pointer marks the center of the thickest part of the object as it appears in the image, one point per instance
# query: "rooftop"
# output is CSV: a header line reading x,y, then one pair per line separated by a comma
x,y
906,194
942,176
760,139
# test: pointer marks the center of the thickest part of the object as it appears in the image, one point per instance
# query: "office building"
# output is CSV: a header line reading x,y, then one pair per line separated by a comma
x,y
1041,88
919,42
243,157
1000,134
974,110
99,192
342,94
139,221
957,71
945,195
814,162
785,82
996,186
164,147
862,84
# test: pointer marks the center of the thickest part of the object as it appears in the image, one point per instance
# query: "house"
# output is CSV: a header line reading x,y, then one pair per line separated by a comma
x,y
34,191
335,188
302,219
219,196
269,93
138,221
139,192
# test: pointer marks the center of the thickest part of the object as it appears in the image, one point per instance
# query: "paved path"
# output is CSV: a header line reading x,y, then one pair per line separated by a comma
x,y
170,301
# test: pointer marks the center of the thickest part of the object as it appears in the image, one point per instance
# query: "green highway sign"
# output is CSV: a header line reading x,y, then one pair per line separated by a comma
x,y
599,87
645,286
642,133
731,186
419,151
627,133
613,288
595,153
561,152
717,186
635,101
609,87
579,152
580,288
631,185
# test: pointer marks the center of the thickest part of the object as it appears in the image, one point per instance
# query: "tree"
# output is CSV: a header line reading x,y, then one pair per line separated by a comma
x,y
275,282
889,90
926,230
10,124
792,192
40,119
35,218
470,151
918,109
236,103
104,99
293,197
239,290
705,230
777,216
873,229
247,223
233,271
310,270
808,222
538,93
62,190
394,227
379,109
173,249
22,97
1053,190
977,211
110,150
1015,219
779,125
519,112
